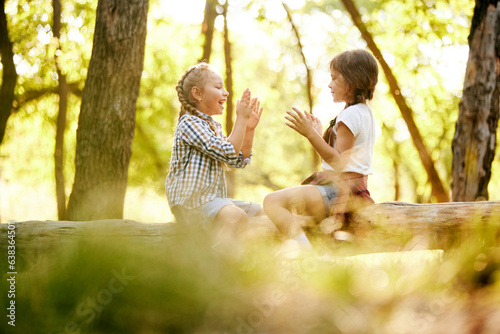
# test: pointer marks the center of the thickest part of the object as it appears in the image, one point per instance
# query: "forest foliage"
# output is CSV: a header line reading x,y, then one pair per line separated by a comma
x,y
103,281
424,42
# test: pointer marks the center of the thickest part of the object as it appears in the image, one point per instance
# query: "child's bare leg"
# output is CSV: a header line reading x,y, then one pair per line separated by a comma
x,y
229,223
261,212
281,205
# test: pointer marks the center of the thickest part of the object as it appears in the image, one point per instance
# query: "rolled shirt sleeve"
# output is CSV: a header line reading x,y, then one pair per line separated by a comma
x,y
199,135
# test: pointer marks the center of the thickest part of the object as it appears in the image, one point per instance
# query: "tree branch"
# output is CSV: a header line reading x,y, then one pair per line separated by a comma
x,y
35,94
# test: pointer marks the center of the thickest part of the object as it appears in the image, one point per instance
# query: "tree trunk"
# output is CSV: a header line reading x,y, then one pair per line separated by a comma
x,y
316,158
474,142
438,190
61,119
396,180
229,102
9,76
107,116
394,153
207,28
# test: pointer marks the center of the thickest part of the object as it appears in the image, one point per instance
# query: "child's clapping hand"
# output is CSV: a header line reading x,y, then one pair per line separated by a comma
x,y
317,124
254,119
246,105
304,123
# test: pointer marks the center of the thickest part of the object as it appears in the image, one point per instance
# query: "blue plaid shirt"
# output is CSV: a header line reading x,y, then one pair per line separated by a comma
x,y
196,173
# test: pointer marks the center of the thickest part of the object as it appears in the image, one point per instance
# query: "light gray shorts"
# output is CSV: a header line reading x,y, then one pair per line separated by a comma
x,y
329,195
206,213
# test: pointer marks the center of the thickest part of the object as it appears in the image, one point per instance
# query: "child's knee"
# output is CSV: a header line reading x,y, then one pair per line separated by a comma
x,y
270,200
231,214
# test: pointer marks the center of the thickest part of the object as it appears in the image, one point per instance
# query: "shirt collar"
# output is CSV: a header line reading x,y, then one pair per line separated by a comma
x,y
204,116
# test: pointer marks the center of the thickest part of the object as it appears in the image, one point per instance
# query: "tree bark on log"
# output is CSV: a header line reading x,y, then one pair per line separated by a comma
x,y
439,224
436,215
35,237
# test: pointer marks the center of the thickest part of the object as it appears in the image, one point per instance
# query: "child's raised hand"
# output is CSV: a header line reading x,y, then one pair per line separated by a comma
x,y
317,124
254,119
245,106
301,122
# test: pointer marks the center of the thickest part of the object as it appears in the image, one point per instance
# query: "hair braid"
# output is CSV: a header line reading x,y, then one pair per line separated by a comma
x,y
194,76
186,105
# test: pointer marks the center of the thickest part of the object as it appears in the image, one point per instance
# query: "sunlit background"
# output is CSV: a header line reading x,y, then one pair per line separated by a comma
x,y
127,277
425,43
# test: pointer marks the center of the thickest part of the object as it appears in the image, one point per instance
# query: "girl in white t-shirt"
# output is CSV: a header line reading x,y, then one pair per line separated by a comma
x,y
346,148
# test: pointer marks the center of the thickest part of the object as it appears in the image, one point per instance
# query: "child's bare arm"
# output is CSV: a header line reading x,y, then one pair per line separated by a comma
x,y
244,108
252,123
303,123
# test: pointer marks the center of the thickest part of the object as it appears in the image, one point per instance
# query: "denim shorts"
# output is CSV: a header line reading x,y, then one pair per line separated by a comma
x,y
329,195
206,213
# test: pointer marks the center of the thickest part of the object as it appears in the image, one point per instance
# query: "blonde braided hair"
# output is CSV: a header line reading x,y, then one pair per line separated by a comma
x,y
194,76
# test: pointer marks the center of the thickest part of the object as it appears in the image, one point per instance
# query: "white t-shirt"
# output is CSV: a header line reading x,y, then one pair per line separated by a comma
x,y
359,119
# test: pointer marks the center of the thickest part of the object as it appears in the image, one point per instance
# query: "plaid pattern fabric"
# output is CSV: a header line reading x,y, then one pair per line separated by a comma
x,y
196,173
353,194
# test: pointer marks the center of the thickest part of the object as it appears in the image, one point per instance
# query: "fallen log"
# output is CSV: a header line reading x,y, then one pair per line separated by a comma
x,y
440,224
32,238
436,215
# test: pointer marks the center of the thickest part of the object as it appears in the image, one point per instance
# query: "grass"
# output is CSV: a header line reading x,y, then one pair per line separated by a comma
x,y
179,284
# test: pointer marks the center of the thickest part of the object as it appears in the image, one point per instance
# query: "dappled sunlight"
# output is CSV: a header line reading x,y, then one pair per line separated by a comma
x,y
19,202
404,267
146,205
429,67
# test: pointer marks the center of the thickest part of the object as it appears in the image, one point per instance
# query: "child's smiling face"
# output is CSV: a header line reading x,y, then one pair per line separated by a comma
x,y
213,96
339,88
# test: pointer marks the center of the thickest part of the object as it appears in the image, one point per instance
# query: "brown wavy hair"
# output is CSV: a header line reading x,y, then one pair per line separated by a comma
x,y
360,71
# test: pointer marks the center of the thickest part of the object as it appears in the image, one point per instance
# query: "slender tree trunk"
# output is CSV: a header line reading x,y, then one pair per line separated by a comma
x,y
394,152
316,159
396,180
438,190
9,76
207,28
61,119
229,103
107,116
474,142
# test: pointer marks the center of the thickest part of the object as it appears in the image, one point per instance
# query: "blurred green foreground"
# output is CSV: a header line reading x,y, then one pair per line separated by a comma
x,y
91,282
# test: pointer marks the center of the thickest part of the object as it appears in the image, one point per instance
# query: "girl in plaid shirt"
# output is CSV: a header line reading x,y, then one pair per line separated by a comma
x,y
195,185
346,148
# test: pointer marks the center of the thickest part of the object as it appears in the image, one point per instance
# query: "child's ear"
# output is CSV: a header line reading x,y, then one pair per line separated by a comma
x,y
196,93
